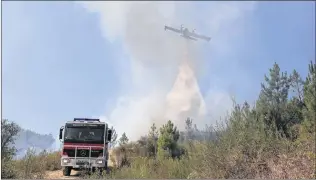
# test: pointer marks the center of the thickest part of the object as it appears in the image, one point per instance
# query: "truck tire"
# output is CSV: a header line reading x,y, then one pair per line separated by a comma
x,y
107,169
66,171
100,171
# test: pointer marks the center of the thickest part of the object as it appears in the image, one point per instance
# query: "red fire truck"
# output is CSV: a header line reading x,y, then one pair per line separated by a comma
x,y
84,145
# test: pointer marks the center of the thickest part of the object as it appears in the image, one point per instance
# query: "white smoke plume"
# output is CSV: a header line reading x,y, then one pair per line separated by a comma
x,y
164,68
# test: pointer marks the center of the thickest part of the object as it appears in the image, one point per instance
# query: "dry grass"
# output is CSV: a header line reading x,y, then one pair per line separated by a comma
x,y
35,165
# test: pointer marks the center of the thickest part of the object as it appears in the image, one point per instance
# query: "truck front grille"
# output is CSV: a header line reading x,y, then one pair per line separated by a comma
x,y
83,152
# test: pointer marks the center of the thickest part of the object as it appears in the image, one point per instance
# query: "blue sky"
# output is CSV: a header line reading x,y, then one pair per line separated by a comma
x,y
57,63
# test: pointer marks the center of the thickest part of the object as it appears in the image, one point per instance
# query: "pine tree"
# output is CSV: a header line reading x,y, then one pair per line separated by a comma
x,y
273,99
297,85
152,140
167,141
309,98
114,137
123,140
189,129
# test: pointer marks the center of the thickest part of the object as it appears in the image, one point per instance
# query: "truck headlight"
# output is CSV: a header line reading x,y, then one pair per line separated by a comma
x,y
66,161
99,161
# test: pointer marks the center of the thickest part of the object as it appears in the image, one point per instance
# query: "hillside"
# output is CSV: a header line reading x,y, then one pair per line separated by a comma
x,y
274,139
28,139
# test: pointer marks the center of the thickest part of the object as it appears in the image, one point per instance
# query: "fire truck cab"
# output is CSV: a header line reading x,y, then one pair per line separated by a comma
x,y
84,145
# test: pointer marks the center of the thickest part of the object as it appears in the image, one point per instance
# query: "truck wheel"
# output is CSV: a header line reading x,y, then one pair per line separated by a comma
x,y
107,169
67,171
101,170
93,170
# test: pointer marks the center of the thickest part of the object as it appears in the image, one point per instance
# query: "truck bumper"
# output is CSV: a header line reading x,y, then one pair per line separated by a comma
x,y
83,162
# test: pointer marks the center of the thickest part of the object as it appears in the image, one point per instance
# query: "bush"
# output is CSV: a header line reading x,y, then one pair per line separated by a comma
x,y
31,165
34,165
8,170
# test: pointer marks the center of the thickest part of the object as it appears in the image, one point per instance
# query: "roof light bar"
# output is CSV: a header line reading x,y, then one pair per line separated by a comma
x,y
86,119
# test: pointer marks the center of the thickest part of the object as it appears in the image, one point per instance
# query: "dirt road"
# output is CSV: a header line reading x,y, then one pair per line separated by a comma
x,y
59,175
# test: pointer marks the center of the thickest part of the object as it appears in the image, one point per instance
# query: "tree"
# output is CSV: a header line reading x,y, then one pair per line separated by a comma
x,y
9,131
293,112
114,137
167,141
273,99
189,129
297,85
148,143
123,140
309,98
153,133
152,140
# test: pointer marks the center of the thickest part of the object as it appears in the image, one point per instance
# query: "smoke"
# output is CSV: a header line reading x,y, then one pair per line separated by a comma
x,y
164,68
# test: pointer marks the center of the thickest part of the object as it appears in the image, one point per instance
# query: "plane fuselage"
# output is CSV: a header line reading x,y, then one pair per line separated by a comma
x,y
186,32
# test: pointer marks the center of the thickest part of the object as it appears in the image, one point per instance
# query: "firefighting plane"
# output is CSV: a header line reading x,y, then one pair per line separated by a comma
x,y
185,33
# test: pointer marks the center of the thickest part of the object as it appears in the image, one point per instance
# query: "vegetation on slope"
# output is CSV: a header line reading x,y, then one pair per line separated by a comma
x,y
27,138
273,139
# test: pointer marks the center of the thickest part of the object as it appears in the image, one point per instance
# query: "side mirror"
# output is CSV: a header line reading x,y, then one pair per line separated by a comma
x,y
109,135
61,133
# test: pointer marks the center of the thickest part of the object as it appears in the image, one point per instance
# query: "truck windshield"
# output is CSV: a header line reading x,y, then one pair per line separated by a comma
x,y
82,133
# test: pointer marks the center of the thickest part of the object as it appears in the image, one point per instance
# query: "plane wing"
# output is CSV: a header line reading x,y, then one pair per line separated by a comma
x,y
172,29
200,36
189,37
